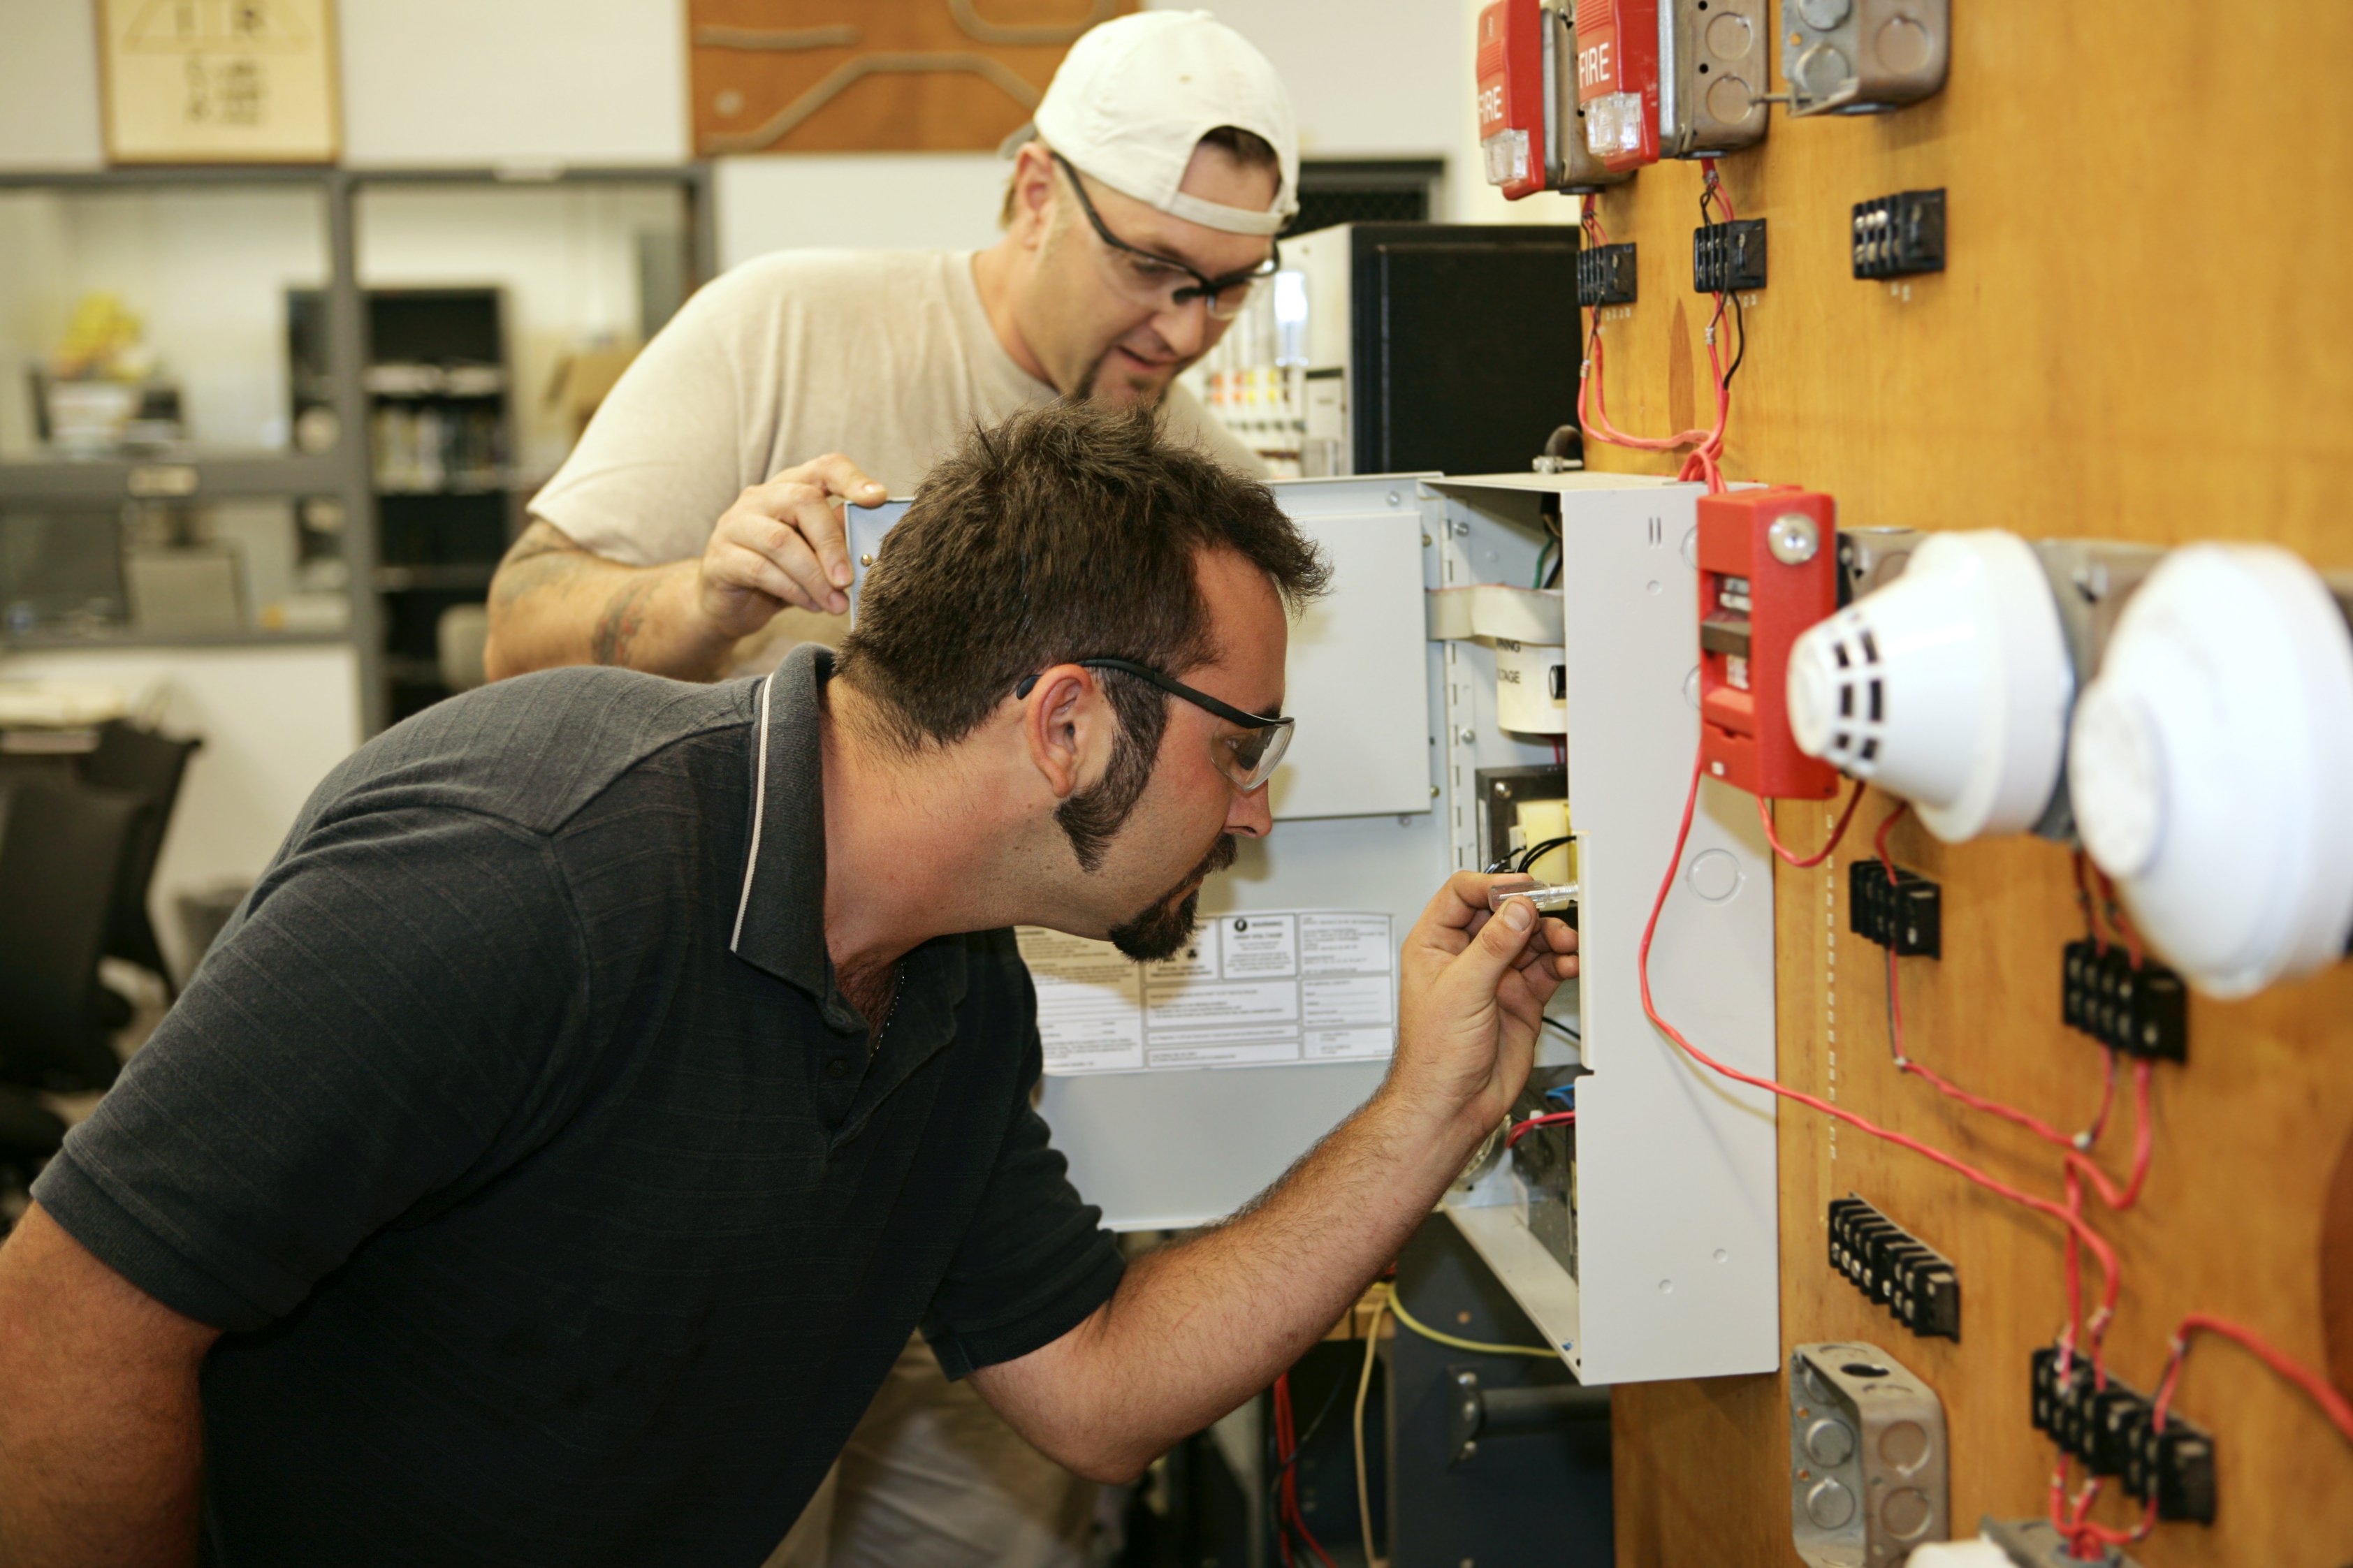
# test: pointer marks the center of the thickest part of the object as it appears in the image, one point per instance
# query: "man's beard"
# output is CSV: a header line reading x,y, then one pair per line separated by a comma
x,y
1091,384
1163,927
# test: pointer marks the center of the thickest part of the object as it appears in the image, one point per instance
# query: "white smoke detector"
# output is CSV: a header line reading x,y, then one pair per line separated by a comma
x,y
1949,686
2210,762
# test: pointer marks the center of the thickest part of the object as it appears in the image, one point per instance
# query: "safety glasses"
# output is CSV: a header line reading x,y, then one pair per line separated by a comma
x,y
1247,759
1161,282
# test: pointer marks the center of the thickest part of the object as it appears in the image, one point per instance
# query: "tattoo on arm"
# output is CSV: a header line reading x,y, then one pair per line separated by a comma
x,y
624,617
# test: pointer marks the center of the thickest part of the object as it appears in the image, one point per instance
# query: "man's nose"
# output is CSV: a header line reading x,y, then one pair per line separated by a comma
x,y
1251,815
1184,328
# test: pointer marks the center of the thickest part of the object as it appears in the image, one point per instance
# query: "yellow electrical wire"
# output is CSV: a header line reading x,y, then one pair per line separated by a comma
x,y
1364,1387
1481,1346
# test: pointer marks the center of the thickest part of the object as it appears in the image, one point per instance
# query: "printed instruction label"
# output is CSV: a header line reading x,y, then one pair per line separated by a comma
x,y
1256,988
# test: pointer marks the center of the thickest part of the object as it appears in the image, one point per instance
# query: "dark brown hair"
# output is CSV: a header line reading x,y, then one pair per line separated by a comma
x,y
1069,532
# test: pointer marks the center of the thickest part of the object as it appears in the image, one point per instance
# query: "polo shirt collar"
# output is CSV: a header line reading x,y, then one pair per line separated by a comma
x,y
780,912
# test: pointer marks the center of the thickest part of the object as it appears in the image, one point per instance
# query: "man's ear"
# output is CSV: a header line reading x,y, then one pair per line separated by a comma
x,y
1069,728
1033,194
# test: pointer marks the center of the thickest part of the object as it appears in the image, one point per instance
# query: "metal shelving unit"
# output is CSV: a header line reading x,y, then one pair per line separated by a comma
x,y
197,474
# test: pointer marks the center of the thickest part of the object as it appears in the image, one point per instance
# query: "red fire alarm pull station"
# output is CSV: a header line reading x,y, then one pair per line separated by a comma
x,y
1618,80
1768,570
1511,95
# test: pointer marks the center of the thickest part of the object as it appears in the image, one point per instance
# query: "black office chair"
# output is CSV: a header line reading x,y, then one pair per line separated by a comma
x,y
150,766
60,861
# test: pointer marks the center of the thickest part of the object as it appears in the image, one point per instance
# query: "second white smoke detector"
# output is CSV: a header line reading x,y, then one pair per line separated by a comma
x,y
2210,763
1949,687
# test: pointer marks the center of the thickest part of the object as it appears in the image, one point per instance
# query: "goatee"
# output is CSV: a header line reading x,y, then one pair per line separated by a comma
x,y
1163,927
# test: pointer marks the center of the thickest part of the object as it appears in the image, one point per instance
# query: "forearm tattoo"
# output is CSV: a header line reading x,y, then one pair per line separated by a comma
x,y
624,617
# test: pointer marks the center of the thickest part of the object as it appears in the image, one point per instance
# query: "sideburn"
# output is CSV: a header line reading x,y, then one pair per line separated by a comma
x,y
1092,818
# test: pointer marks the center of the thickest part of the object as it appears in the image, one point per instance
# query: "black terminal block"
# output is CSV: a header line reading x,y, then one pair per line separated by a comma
x,y
1906,914
1918,1285
1900,236
2142,1010
1605,275
2111,1427
2176,1466
1729,255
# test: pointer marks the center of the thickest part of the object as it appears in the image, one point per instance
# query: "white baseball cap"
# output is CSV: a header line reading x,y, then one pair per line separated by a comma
x,y
1135,95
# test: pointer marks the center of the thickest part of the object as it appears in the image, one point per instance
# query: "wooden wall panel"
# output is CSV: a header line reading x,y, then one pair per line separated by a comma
x,y
2145,331
834,76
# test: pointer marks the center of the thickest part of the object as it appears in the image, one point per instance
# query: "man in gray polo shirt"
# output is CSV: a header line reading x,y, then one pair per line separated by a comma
x,y
610,1073
693,532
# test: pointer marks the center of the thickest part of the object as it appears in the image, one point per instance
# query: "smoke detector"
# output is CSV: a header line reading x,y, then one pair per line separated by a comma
x,y
2209,764
1949,686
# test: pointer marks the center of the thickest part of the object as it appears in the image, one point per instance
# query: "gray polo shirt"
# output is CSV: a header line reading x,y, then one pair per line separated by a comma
x,y
520,1137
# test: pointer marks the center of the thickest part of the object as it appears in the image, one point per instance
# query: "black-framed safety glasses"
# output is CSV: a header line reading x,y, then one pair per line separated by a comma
x,y
1247,758
1161,281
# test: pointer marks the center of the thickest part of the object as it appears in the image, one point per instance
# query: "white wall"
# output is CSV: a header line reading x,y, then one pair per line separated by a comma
x,y
274,720
886,201
489,81
49,85
424,82
1367,78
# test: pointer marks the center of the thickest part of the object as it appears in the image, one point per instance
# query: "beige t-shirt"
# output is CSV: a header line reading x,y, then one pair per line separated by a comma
x,y
884,356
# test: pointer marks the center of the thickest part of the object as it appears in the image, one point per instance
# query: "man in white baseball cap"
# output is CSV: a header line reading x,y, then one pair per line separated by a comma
x,y
703,499
695,531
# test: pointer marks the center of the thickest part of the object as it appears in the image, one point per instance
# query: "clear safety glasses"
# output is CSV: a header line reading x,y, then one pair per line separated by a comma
x,y
1247,758
1161,282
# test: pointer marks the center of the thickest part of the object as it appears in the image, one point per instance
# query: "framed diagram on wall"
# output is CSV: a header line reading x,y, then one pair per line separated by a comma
x,y
219,81
854,76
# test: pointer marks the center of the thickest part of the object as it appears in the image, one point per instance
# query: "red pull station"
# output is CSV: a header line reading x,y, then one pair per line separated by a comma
x,y
1768,570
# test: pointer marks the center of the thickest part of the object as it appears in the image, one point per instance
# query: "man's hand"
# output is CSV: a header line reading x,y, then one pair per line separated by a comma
x,y
783,543
1471,1000
1194,1327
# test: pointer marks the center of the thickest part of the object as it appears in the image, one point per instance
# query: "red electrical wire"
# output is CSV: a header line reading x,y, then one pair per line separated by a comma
x,y
1592,402
2118,922
2083,899
2333,1404
2091,1238
1837,831
1281,1399
1551,1118
1286,1446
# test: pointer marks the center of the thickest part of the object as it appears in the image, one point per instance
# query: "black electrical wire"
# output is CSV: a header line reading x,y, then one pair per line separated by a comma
x,y
1740,324
1530,857
1287,1460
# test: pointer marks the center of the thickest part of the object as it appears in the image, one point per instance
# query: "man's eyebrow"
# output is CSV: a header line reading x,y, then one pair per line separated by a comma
x,y
1177,253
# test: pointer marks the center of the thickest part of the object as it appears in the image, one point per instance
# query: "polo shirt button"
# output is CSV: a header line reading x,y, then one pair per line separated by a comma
x,y
837,1067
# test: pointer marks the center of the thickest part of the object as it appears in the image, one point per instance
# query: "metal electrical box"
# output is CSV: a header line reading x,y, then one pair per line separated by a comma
x,y
1435,347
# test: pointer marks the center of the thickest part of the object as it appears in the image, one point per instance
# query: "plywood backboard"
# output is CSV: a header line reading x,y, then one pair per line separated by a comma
x,y
835,76
2142,333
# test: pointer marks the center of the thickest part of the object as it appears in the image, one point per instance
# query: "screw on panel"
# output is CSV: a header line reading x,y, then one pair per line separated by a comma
x,y
1793,539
